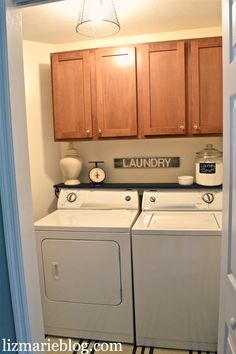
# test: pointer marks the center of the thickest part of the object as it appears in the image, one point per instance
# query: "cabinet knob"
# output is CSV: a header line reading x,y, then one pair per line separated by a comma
x,y
232,323
181,127
195,127
99,131
88,131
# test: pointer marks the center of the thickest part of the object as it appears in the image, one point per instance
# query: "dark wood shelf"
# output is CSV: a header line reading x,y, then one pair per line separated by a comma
x,y
139,186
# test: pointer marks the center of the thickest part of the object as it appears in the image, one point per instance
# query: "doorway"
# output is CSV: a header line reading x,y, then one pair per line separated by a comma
x,y
22,125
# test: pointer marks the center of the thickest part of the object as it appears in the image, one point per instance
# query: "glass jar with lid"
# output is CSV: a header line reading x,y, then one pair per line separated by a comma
x,y
209,166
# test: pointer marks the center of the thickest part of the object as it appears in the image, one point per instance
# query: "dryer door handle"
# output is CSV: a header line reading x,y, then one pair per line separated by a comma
x,y
55,270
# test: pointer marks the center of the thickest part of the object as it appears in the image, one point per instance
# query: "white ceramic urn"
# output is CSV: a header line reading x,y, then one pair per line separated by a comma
x,y
71,166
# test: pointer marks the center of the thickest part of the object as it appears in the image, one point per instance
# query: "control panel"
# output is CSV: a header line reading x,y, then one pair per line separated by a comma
x,y
182,200
98,199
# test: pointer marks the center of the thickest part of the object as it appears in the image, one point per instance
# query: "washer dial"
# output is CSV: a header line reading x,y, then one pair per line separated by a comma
x,y
208,197
152,199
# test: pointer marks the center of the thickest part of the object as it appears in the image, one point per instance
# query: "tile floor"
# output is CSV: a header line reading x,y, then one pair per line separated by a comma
x,y
126,348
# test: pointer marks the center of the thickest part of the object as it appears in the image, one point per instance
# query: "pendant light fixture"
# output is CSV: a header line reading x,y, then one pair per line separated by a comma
x,y
97,18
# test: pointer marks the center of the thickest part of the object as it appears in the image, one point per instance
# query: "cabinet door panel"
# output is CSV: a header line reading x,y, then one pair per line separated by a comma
x,y
71,95
206,86
161,88
116,92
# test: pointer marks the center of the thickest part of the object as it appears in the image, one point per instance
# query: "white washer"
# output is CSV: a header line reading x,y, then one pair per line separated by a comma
x,y
176,262
84,253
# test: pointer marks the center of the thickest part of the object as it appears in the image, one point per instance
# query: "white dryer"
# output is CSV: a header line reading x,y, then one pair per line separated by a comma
x,y
176,263
84,254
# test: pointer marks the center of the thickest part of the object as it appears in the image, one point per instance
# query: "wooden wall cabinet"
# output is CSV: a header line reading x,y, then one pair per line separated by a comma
x,y
156,89
205,58
71,85
116,113
94,93
180,87
161,88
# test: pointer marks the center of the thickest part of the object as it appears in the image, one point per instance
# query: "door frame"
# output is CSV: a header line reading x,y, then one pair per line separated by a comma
x,y
15,190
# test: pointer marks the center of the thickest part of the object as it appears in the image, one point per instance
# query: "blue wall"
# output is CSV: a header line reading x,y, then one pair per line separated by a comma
x,y
6,317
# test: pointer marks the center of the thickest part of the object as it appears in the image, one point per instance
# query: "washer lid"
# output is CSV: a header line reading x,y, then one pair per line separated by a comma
x,y
85,220
176,221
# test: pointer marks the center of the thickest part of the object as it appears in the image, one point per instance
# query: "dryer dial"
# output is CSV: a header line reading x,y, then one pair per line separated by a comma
x,y
71,197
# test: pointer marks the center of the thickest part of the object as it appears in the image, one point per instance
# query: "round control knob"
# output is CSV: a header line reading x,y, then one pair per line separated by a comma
x,y
128,198
232,323
208,198
152,199
71,197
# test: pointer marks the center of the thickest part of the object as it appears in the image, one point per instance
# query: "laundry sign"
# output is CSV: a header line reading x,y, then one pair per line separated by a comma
x,y
147,162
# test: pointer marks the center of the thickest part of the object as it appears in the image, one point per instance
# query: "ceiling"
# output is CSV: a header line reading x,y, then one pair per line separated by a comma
x,y
55,22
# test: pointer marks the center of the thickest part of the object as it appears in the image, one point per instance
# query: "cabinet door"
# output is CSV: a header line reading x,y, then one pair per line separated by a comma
x,y
116,92
161,88
71,95
206,86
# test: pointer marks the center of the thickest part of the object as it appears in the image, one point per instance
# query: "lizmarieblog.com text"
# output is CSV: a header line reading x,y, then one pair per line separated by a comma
x,y
60,345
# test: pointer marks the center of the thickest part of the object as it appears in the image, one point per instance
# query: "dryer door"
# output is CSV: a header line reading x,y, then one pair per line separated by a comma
x,y
82,271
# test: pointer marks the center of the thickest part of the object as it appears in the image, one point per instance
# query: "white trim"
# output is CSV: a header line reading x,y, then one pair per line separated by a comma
x,y
15,182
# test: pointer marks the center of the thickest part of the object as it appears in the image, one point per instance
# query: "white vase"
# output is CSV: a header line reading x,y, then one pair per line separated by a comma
x,y
71,166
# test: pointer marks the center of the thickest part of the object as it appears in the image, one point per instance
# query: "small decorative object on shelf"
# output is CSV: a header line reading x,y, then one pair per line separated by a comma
x,y
97,174
209,166
71,166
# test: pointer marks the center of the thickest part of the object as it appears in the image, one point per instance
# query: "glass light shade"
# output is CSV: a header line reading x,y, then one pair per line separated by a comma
x,y
97,18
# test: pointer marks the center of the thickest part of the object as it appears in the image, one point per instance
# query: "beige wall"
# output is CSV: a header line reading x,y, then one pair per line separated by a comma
x,y
45,153
106,151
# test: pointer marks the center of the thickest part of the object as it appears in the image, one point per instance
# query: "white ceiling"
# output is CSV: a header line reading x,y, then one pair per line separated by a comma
x,y
55,22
